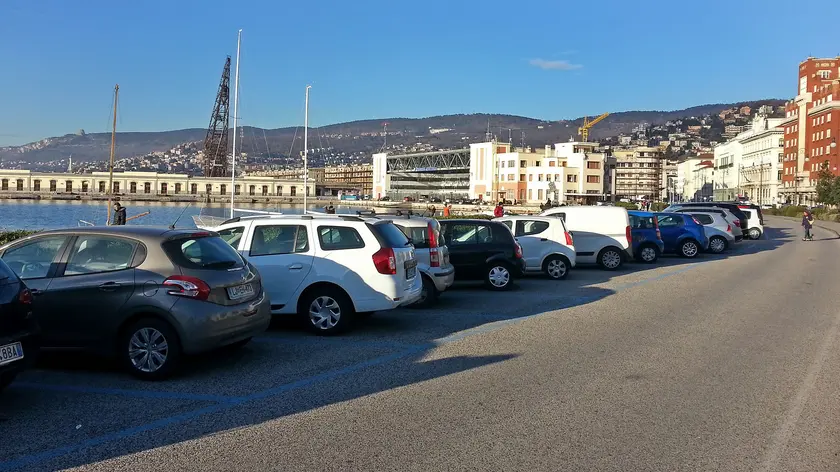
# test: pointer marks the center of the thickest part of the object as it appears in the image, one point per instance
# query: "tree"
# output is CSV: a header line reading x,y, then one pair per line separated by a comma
x,y
828,186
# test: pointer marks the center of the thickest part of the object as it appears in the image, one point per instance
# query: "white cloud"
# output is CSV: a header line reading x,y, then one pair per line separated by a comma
x,y
554,65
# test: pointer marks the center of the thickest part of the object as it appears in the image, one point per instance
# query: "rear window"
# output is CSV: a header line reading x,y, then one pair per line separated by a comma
x,y
388,235
207,252
703,219
642,222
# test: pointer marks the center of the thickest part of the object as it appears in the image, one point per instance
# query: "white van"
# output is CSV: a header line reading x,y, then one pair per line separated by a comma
x,y
601,233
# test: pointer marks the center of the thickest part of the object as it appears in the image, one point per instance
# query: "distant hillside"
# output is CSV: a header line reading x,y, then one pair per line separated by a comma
x,y
361,136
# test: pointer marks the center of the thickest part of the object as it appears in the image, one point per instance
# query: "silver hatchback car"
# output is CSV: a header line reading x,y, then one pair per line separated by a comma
x,y
431,251
147,295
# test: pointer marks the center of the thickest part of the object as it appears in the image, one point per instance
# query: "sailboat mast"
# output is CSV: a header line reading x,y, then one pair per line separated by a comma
x,y
235,122
305,147
113,148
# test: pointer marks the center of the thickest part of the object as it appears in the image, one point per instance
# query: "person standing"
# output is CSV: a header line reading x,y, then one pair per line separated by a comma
x,y
808,224
447,210
119,214
329,209
499,211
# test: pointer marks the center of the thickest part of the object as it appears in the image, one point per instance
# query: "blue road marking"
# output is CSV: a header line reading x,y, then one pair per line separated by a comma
x,y
124,392
226,403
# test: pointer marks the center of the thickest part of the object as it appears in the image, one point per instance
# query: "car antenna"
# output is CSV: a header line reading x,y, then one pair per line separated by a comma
x,y
172,226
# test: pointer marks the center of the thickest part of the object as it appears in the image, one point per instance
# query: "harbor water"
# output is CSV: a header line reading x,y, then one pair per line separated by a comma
x,y
38,215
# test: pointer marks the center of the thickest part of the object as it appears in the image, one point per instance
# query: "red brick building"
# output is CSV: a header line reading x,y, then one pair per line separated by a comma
x,y
812,126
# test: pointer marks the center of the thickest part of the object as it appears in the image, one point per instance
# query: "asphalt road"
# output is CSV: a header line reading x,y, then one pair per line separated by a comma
x,y
723,363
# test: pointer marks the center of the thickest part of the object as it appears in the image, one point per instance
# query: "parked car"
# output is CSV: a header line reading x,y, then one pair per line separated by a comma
x,y
437,273
601,233
328,268
19,342
547,247
732,207
682,234
647,240
147,294
755,222
717,229
727,215
483,250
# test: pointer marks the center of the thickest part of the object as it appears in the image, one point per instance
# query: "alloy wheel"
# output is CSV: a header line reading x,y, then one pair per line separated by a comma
x,y
556,268
611,259
499,276
324,312
648,254
148,350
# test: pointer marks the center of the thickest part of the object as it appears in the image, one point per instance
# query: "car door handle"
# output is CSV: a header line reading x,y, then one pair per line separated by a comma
x,y
296,267
109,286
35,292
543,239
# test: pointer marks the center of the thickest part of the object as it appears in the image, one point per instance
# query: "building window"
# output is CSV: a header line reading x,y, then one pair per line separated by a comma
x,y
530,194
101,186
68,186
571,178
193,189
36,185
552,164
5,184
522,177
20,185
539,194
209,189
539,178
53,184
147,187
84,187
177,188
279,190
223,189
593,179
252,190
163,188
293,191
265,190
236,189
132,187
116,187
593,165
523,163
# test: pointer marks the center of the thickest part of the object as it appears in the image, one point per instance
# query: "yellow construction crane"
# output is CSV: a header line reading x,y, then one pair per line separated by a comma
x,y
583,131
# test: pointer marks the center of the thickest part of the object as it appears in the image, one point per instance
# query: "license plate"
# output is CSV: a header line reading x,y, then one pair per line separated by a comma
x,y
240,291
410,272
10,353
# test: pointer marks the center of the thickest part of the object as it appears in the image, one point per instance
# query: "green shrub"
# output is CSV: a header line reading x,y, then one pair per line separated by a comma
x,y
9,236
658,206
629,206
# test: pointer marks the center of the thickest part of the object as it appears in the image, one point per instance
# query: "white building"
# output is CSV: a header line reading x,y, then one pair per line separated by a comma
x,y
761,164
727,163
695,178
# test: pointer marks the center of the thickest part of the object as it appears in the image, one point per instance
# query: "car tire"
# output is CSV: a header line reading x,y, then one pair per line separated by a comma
x,y
428,295
327,311
689,249
648,254
754,233
717,244
610,258
556,267
498,276
150,349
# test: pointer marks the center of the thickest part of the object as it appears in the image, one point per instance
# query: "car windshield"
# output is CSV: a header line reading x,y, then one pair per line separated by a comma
x,y
202,252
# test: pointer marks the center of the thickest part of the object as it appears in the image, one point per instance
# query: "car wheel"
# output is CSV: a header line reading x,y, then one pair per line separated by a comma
x,y
717,244
327,312
610,258
556,267
428,294
689,249
754,233
648,254
150,349
498,277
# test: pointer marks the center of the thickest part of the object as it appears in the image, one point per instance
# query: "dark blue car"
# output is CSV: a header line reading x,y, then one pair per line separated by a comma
x,y
647,243
682,234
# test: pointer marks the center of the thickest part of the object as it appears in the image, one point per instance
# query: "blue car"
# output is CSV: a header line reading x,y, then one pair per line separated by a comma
x,y
682,234
644,230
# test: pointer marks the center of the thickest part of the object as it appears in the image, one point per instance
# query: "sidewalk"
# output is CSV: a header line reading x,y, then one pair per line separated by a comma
x,y
832,226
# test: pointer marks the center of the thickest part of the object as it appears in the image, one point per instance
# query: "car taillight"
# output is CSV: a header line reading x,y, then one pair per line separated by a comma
x,y
518,251
186,286
728,228
385,261
432,236
737,222
434,254
656,225
629,234
569,240
25,297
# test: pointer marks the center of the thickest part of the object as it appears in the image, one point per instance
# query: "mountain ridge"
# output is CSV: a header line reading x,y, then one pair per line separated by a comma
x,y
362,136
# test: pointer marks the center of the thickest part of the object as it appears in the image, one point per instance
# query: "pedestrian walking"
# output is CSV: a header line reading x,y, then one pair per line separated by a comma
x,y
808,224
119,214
499,211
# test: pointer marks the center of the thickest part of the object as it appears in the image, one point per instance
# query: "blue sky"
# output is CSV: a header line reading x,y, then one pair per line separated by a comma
x,y
375,59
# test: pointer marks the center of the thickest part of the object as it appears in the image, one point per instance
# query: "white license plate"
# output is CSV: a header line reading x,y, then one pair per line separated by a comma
x,y
240,291
10,353
410,272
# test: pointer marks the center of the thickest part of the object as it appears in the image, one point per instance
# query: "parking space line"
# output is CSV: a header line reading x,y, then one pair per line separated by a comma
x,y
123,392
231,402
334,341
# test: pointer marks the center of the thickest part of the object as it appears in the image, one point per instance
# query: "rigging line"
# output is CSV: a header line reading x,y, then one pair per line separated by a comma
x,y
294,138
266,145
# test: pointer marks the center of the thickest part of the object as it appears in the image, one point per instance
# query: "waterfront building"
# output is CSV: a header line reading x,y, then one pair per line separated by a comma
x,y
639,173
811,126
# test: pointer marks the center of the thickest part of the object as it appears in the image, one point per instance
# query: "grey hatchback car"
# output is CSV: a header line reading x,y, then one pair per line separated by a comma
x,y
148,295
